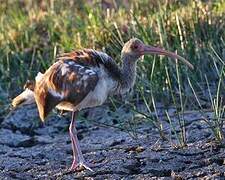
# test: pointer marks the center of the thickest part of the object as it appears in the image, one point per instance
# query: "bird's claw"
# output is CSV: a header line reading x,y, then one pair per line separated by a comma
x,y
80,167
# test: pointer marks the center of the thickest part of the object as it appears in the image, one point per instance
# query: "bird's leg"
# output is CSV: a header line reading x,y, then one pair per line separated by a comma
x,y
78,159
77,154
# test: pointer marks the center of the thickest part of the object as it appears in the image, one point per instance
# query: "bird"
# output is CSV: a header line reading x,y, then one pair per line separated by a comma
x,y
85,78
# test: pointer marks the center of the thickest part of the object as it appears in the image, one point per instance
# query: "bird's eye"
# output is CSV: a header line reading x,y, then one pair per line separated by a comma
x,y
135,46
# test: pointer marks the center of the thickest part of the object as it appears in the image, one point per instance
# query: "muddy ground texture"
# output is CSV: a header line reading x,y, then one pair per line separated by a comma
x,y
30,149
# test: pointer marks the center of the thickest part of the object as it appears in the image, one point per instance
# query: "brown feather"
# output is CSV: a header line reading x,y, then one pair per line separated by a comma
x,y
92,58
45,102
65,80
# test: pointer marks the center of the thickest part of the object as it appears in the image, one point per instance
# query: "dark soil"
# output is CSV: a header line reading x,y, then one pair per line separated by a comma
x,y
30,149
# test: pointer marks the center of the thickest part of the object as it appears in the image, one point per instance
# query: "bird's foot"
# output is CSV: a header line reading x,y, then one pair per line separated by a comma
x,y
80,167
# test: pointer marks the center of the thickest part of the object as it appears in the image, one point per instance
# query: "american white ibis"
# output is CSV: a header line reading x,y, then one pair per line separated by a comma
x,y
82,79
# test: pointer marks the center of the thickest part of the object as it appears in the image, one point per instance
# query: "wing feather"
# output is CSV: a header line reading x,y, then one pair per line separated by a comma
x,y
93,58
65,80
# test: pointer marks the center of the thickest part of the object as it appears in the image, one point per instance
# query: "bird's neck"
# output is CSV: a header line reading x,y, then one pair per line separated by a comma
x,y
128,74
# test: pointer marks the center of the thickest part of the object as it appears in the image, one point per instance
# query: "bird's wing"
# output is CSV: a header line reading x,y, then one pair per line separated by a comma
x,y
93,58
65,80
86,57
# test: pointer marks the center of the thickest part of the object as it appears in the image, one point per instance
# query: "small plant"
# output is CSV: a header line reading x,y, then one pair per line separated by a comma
x,y
216,99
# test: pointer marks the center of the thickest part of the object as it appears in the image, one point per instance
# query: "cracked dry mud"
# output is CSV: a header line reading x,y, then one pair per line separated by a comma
x,y
32,150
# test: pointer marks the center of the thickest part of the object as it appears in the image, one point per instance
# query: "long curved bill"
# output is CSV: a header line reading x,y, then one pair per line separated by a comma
x,y
154,50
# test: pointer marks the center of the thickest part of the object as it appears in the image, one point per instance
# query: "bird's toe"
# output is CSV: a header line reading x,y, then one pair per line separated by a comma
x,y
80,167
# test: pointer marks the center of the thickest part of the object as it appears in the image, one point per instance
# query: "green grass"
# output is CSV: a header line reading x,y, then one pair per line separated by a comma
x,y
32,34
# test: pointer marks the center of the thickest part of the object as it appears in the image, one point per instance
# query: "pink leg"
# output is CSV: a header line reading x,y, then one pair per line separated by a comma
x,y
78,159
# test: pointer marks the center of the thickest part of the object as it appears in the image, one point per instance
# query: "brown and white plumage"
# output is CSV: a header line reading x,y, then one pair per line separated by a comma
x,y
86,78
78,80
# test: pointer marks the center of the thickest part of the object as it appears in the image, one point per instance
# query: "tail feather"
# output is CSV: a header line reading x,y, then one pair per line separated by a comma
x,y
26,97
45,102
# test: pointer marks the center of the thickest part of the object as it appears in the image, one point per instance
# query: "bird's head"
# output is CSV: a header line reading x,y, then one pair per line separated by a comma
x,y
135,48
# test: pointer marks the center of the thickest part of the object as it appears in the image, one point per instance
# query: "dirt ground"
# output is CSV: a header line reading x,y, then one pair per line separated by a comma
x,y
32,150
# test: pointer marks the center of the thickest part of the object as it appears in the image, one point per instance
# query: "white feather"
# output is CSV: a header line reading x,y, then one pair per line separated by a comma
x,y
102,90
39,76
65,69
56,94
